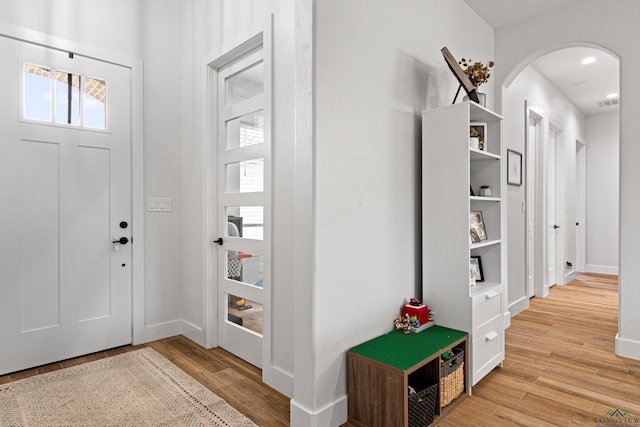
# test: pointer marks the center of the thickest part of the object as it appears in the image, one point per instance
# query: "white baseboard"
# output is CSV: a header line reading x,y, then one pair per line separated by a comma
x,y
193,332
278,379
518,306
627,348
568,277
156,332
602,269
333,415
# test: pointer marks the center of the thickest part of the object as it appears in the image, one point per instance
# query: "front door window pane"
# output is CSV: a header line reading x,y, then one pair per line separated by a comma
x,y
37,93
95,103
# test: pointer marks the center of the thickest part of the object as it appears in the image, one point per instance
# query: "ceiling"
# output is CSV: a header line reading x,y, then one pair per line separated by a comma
x,y
586,86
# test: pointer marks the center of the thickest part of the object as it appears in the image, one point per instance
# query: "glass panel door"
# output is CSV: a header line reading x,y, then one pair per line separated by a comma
x,y
243,164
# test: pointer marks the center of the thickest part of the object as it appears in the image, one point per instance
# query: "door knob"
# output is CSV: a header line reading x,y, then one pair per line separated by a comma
x,y
219,241
122,240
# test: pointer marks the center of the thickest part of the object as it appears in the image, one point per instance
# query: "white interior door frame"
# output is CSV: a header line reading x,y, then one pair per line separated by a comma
x,y
141,333
536,205
581,206
560,202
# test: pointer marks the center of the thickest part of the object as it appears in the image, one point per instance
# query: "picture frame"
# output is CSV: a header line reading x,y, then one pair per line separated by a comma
x,y
476,262
460,75
514,167
481,128
477,232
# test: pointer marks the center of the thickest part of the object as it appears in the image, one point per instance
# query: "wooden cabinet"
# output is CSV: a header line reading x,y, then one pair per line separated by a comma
x,y
380,371
451,170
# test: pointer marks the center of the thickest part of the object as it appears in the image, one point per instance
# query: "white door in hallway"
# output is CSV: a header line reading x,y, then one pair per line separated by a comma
x,y
552,209
243,147
65,186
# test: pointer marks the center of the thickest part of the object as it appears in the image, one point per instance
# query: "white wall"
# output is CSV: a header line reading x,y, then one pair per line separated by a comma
x,y
377,69
603,159
532,87
610,25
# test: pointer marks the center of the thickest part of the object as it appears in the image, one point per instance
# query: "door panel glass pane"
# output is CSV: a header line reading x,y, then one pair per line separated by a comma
x,y
245,313
67,98
245,131
95,103
248,221
245,177
245,84
245,267
37,93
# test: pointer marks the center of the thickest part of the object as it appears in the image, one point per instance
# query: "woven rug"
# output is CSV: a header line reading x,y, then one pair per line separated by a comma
x,y
138,388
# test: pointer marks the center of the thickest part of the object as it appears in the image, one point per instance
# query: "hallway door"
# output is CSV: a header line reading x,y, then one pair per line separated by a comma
x,y
65,186
243,164
552,210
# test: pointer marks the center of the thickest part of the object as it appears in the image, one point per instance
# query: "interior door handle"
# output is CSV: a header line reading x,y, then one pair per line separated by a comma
x,y
122,240
555,227
219,241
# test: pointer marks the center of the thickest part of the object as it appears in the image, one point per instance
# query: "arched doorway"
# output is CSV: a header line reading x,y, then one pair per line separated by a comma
x,y
550,102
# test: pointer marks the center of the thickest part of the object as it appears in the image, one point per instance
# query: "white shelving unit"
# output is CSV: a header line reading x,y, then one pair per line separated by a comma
x,y
449,168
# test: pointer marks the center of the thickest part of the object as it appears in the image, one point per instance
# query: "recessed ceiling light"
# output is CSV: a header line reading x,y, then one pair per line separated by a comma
x,y
588,60
612,95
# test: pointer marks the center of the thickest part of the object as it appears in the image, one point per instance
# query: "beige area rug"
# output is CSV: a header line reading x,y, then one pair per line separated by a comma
x,y
139,388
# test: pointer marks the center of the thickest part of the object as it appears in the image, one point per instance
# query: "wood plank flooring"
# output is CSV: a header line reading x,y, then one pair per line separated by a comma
x,y
560,367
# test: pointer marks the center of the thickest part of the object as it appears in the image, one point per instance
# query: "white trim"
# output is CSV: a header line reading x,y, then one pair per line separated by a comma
x,y
602,269
519,306
626,348
140,332
332,415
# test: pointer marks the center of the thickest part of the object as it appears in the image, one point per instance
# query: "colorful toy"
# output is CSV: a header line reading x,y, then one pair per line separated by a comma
x,y
404,323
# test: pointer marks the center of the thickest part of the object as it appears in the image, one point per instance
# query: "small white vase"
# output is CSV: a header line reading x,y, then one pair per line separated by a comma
x,y
482,97
485,192
473,142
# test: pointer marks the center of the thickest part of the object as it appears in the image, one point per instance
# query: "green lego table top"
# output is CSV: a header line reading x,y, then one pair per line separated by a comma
x,y
403,351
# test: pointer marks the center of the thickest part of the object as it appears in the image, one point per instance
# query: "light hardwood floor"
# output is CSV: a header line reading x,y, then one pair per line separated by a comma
x,y
560,367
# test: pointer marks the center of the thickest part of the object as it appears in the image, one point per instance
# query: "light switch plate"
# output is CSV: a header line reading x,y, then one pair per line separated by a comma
x,y
158,204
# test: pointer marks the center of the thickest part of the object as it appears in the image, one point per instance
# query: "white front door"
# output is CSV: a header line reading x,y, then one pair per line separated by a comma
x,y
65,186
243,188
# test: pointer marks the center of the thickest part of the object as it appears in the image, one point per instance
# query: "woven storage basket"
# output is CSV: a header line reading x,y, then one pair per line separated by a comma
x,y
422,406
451,378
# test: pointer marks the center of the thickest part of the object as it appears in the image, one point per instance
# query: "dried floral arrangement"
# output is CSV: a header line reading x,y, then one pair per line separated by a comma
x,y
477,72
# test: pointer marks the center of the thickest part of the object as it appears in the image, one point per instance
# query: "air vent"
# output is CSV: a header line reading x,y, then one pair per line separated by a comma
x,y
607,102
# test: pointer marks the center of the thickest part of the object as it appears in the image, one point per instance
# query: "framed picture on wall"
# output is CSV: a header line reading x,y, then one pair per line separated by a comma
x,y
476,225
514,167
476,264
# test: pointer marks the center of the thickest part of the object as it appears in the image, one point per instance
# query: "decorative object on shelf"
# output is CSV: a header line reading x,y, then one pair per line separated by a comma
x,y
472,275
477,136
477,225
461,76
485,191
471,193
476,265
514,167
404,323
478,73
420,316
